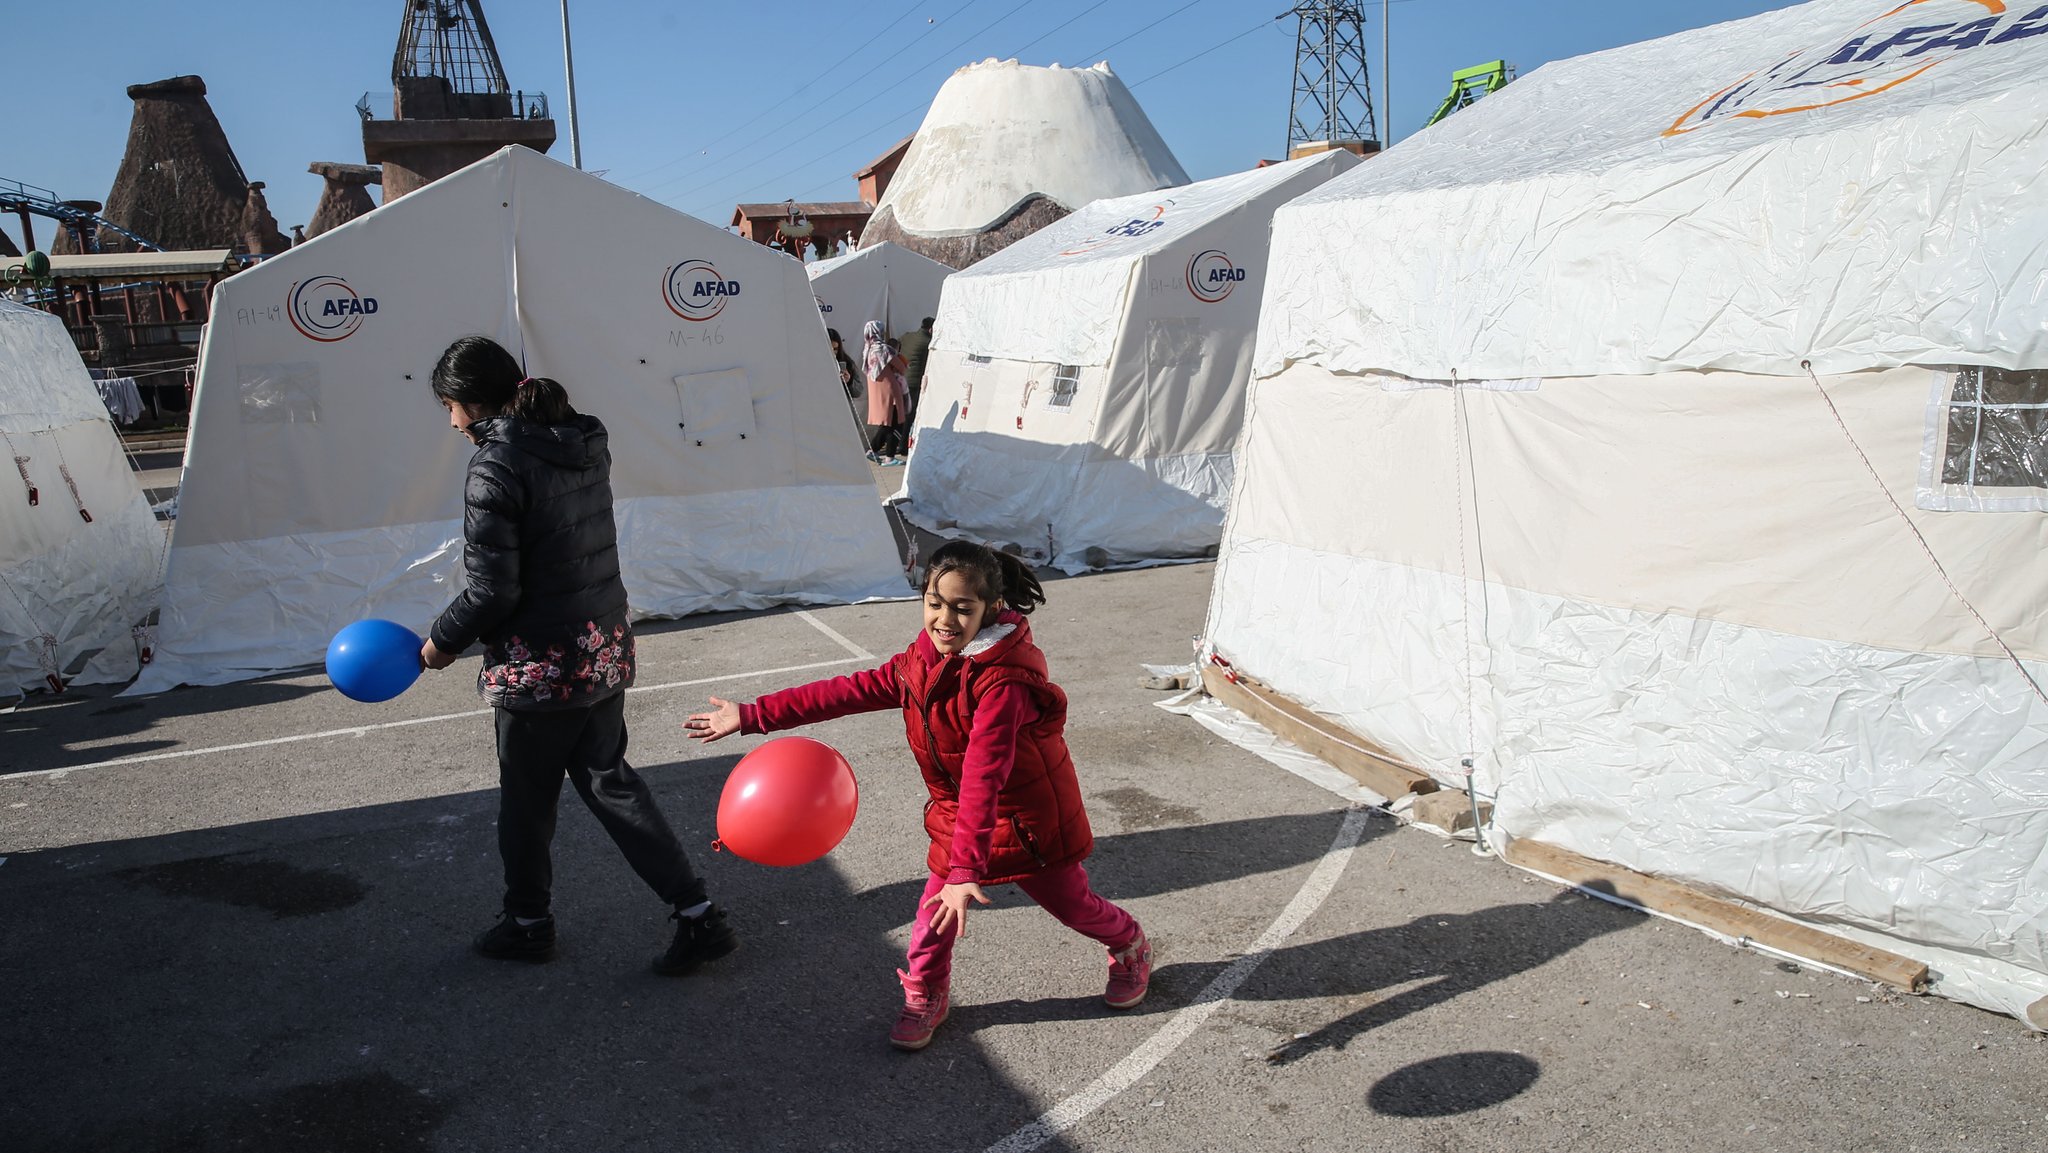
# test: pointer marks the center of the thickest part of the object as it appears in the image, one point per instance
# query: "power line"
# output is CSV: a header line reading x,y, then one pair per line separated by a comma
x,y
837,92
1204,52
1069,20
820,75
1099,53
908,77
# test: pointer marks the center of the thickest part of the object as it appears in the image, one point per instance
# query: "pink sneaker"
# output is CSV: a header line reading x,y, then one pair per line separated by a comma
x,y
923,1012
1130,973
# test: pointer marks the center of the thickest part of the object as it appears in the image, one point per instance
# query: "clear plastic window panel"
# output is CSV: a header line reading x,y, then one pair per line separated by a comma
x,y
1065,383
1997,429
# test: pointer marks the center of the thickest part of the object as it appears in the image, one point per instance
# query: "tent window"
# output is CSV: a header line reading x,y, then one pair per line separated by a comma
x,y
1989,439
280,393
1065,383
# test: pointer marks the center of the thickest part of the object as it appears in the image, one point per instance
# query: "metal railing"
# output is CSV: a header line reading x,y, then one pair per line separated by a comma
x,y
525,105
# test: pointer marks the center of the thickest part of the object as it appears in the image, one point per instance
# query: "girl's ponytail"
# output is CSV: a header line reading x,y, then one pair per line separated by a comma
x,y
1021,590
542,401
997,575
478,372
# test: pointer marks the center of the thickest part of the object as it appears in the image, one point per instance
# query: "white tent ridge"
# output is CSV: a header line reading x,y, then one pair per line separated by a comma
x,y
1619,444
70,587
1086,383
883,282
322,484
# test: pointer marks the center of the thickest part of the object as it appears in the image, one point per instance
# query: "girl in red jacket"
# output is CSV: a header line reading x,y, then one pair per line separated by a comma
x,y
987,729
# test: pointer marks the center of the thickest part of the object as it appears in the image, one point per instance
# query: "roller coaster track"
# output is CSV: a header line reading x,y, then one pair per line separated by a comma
x,y
22,198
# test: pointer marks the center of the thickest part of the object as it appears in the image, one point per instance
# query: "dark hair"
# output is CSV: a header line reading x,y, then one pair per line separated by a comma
x,y
927,325
996,575
833,333
478,372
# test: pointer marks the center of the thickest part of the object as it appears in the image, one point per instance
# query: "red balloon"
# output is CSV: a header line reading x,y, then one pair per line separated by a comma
x,y
787,803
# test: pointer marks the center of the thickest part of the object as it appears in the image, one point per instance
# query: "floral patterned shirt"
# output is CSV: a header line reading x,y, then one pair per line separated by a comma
x,y
596,664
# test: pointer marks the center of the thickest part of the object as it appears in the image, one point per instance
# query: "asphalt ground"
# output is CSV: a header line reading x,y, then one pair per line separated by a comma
x,y
251,932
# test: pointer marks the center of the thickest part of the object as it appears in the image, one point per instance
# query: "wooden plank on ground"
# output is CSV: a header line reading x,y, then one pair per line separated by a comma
x,y
1358,758
1722,916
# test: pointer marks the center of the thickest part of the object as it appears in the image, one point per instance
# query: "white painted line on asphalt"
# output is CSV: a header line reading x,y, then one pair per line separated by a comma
x,y
1141,1061
361,730
836,635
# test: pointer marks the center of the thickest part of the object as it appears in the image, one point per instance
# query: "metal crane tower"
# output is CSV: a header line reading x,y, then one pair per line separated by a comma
x,y
1332,96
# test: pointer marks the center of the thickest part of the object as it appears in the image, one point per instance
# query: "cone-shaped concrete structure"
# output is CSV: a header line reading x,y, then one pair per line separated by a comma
x,y
346,196
179,184
1007,149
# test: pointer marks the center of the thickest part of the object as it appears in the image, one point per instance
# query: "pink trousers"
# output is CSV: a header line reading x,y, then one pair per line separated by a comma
x,y
1063,892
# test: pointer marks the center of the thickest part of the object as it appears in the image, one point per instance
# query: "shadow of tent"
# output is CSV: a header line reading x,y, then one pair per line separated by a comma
x,y
306,983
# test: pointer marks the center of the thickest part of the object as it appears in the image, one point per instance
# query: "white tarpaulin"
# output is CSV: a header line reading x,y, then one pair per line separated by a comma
x,y
69,585
322,484
886,283
1843,182
1085,384
1535,471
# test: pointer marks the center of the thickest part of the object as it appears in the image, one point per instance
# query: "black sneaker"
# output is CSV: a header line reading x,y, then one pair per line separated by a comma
x,y
508,940
698,939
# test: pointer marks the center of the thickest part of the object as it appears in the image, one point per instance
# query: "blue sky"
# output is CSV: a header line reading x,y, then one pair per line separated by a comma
x,y
704,104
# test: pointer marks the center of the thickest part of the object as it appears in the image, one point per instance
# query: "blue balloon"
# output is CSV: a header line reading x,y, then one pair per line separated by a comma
x,y
373,660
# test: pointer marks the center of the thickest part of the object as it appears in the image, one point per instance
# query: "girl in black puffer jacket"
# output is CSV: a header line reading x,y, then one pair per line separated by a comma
x,y
540,550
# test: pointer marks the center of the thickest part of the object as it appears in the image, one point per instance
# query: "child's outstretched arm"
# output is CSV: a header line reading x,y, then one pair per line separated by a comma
x,y
861,692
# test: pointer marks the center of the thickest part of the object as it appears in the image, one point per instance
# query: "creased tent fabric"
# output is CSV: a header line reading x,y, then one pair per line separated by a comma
x,y
83,583
1086,383
322,484
1634,563
1722,227
886,282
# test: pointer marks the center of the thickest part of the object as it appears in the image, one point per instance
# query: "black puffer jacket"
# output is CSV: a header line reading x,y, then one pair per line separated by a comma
x,y
541,553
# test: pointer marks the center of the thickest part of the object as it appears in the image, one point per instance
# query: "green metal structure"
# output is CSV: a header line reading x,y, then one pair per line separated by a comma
x,y
1469,84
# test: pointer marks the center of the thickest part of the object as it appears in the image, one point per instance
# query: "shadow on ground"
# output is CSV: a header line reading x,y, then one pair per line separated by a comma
x,y
317,993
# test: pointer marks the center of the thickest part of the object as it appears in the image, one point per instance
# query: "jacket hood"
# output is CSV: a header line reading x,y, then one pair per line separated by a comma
x,y
580,443
995,654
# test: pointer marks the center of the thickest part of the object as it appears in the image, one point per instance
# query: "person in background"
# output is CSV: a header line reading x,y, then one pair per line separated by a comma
x,y
849,373
916,346
888,402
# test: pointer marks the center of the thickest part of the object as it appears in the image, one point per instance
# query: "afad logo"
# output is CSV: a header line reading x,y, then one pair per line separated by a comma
x,y
1877,56
1211,276
1132,229
326,309
823,308
695,291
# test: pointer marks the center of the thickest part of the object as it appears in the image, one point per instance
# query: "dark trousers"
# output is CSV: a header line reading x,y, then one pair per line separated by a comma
x,y
535,750
886,439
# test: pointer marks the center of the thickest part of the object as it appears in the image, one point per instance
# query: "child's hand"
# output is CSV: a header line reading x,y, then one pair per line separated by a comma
x,y
952,903
722,721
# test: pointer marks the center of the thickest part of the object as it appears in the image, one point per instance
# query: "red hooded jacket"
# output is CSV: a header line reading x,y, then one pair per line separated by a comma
x,y
988,731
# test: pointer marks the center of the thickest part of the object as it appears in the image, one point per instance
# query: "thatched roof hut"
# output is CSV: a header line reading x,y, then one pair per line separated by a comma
x,y
179,184
346,196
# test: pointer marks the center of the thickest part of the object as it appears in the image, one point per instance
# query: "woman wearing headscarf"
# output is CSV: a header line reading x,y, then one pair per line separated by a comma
x,y
888,396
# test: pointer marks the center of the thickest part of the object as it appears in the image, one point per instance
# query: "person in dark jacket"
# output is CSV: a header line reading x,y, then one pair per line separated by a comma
x,y
540,550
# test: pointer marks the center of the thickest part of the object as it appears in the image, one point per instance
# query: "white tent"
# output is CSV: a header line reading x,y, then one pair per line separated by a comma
x,y
1680,458
884,282
1086,384
78,545
1006,148
322,484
